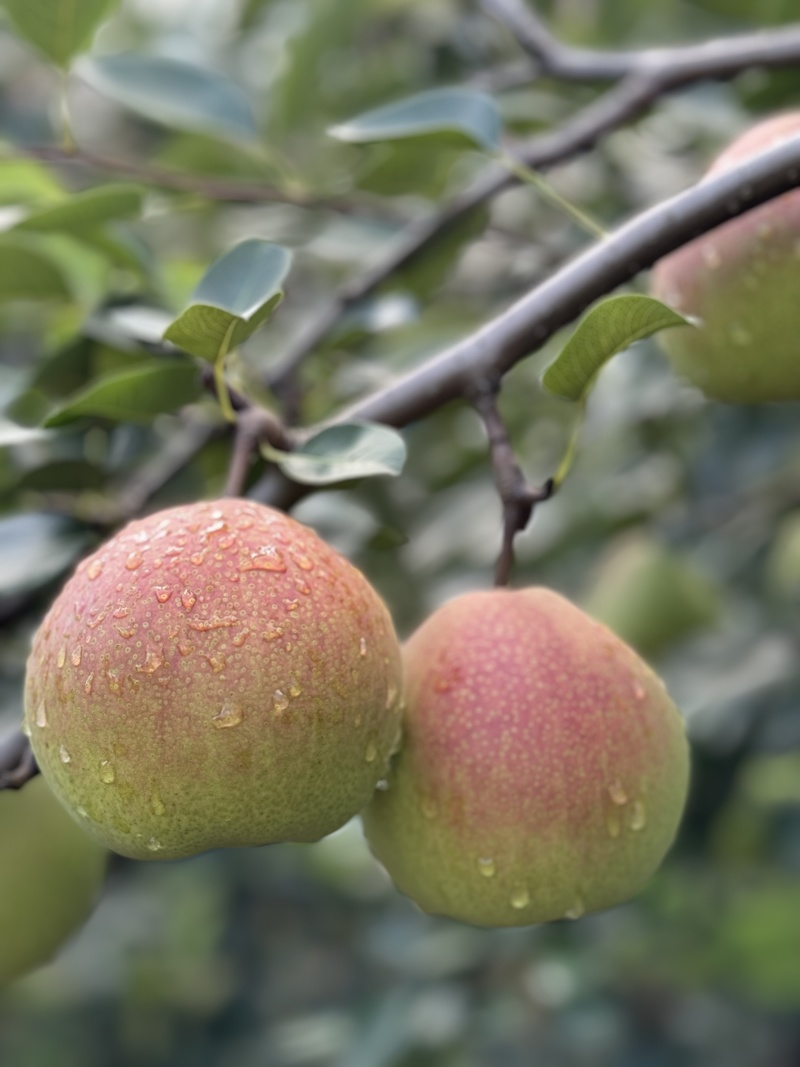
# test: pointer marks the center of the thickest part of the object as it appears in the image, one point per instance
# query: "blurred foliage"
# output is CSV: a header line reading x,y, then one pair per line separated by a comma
x,y
290,955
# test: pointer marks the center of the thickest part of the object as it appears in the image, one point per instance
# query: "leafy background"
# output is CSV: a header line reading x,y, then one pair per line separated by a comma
x,y
305,955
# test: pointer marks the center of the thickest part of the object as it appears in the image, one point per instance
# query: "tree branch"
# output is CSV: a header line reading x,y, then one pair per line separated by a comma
x,y
641,79
480,361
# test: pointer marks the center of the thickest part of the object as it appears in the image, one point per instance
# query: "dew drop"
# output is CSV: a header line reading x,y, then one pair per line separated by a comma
x,y
163,593
84,814
295,690
382,786
273,633
240,638
185,649
216,663
486,866
229,715
362,647
291,605
75,657
154,845
113,680
616,791
87,685
121,613
41,716
107,772
94,570
303,562
577,910
267,558
520,899
639,691
197,558
188,599
371,752
26,728
64,755
62,657
638,819
613,824
280,702
127,631
152,661
157,804
134,561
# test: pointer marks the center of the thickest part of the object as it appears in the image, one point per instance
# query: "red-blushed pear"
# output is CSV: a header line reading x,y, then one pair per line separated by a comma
x,y
52,873
544,769
740,281
215,675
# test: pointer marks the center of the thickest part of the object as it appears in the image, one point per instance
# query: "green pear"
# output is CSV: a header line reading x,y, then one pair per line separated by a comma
x,y
51,877
544,769
740,281
215,675
649,596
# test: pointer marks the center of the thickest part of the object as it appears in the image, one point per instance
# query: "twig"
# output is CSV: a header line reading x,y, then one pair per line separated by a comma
x,y
17,763
253,424
225,190
518,499
641,79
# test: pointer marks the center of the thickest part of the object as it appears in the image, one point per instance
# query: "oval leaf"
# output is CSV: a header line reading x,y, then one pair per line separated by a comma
x,y
338,453
58,28
134,395
174,94
608,328
86,211
28,274
234,297
471,114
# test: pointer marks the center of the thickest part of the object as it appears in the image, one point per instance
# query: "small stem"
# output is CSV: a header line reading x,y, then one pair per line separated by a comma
x,y
67,138
545,189
571,450
219,375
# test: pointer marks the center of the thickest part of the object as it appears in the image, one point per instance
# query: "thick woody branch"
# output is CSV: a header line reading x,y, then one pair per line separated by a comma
x,y
485,356
641,78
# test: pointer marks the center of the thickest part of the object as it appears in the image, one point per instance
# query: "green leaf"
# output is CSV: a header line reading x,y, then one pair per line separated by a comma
x,y
338,453
234,297
470,114
174,94
133,395
58,28
23,181
29,274
86,211
608,328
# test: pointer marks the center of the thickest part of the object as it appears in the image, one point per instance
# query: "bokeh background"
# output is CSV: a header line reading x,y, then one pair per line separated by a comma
x,y
678,523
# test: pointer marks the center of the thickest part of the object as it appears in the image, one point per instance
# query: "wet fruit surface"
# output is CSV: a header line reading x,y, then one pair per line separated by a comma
x,y
544,768
214,675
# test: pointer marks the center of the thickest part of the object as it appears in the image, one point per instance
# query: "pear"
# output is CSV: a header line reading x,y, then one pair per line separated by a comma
x,y
52,873
740,281
544,769
215,675
648,595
